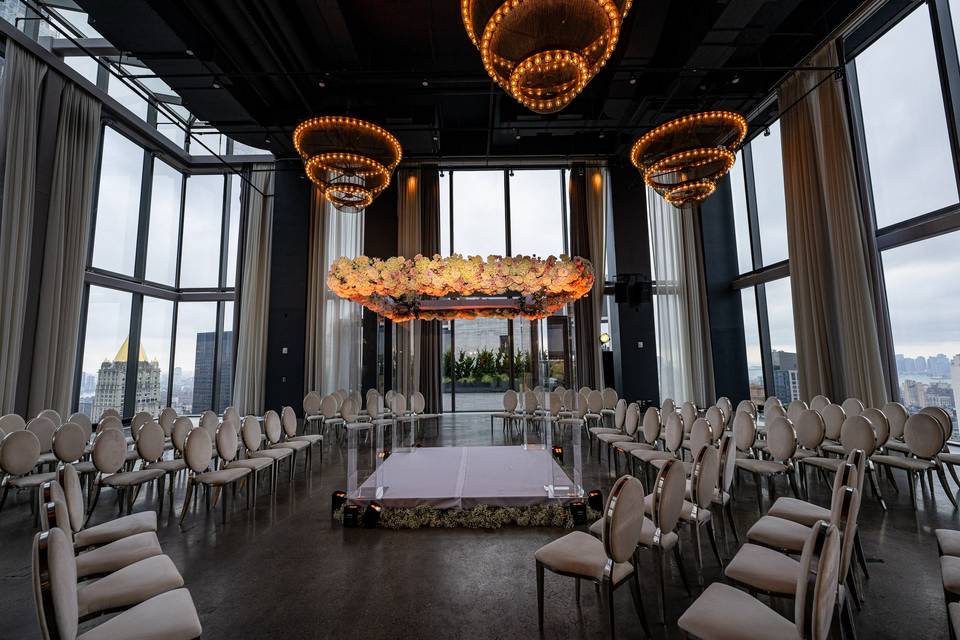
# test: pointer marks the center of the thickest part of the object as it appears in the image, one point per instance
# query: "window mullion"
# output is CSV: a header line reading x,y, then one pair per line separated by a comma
x,y
944,45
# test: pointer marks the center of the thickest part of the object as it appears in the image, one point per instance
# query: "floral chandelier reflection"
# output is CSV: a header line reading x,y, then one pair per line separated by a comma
x,y
544,52
457,287
683,159
350,160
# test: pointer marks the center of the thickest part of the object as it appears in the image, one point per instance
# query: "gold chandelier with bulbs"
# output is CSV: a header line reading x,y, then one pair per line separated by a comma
x,y
544,52
351,161
682,159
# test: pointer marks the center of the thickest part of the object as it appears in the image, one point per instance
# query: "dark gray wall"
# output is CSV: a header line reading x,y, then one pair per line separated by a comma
x,y
288,287
379,241
726,314
635,366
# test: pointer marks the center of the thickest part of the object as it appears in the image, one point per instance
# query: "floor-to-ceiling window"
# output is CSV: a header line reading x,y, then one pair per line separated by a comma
x,y
501,212
904,85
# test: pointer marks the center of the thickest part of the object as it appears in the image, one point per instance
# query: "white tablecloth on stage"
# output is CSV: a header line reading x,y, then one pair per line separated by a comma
x,y
463,477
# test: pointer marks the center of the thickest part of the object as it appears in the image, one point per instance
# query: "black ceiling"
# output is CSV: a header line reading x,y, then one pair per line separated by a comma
x,y
255,69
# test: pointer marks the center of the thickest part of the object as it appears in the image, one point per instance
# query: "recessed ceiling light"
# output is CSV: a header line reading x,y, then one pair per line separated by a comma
x,y
189,52
425,83
633,80
735,80
435,138
601,134
216,85
321,84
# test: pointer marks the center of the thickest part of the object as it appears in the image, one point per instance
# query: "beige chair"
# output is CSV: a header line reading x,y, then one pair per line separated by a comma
x,y
689,413
667,408
726,407
11,422
747,406
510,401
19,452
650,432
109,457
312,415
795,408
616,427
139,419
773,410
852,406
610,400
197,453
104,533
701,435
147,593
253,440
723,498
745,434
105,558
168,415
609,561
673,439
69,442
625,421
717,421
330,411
288,420
925,438
723,612
781,446
857,433
52,415
273,429
834,415
110,412
818,402
44,428
148,450
594,407
897,414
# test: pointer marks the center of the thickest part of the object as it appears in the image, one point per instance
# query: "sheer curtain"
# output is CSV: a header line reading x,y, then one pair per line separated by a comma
x,y
65,249
685,363
334,325
23,77
588,215
831,274
409,229
249,383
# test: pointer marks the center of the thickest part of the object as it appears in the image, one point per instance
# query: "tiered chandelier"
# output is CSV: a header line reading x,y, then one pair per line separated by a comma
x,y
350,160
683,159
544,52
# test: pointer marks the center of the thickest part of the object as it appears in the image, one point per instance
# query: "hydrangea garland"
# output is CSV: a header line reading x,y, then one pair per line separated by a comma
x,y
395,287
478,517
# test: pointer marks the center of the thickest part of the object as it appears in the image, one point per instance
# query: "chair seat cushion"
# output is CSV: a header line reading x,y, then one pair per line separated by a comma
x,y
296,445
661,462
115,529
118,554
131,456
254,464
686,513
804,453
47,458
169,616
828,464
900,462
599,430
896,445
832,447
580,554
949,542
311,438
129,586
223,476
169,466
799,511
628,446
502,414
649,455
132,478
764,569
753,465
276,454
610,438
950,572
950,458
31,481
84,467
723,612
647,533
779,533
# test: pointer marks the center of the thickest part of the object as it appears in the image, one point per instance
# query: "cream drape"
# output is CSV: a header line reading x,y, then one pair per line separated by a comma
x,y
22,94
588,194
838,350
334,326
249,381
684,358
407,335
65,251
598,193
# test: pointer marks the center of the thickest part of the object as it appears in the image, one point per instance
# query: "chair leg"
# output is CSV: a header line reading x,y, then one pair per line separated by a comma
x,y
577,589
891,479
540,594
861,558
186,500
946,487
852,590
756,481
226,501
683,574
638,599
3,498
846,620
608,596
793,484
93,502
733,527
912,482
875,486
698,550
713,542
661,561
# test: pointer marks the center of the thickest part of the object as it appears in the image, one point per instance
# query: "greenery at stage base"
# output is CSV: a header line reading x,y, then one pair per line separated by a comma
x,y
479,517
485,367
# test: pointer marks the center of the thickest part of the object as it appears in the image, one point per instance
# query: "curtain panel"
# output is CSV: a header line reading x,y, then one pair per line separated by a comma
x,y
249,383
334,325
684,356
588,195
23,78
408,358
429,384
57,327
832,277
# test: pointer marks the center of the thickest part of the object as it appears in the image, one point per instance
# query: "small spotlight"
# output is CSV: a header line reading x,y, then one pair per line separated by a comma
x,y
383,455
441,174
189,52
511,173
516,137
351,516
579,512
321,84
604,338
766,131
601,135
266,140
337,500
558,453
594,500
371,517
633,79
216,85
425,83
435,138
735,80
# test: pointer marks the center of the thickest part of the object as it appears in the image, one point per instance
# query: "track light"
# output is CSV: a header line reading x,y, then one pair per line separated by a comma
x,y
766,131
633,79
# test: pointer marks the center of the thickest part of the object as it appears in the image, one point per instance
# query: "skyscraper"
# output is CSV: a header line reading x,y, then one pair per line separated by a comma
x,y
204,369
786,382
111,383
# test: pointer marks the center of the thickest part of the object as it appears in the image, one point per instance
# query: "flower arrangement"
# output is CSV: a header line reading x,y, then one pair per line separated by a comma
x,y
531,287
481,516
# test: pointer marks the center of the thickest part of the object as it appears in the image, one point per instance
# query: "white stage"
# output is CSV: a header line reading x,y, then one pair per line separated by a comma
x,y
463,477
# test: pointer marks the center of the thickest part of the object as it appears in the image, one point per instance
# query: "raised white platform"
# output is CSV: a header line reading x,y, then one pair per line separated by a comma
x,y
463,477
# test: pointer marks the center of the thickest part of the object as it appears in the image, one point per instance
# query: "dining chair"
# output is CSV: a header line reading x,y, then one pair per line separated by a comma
x,y
726,406
811,431
795,408
312,415
650,434
144,593
288,420
610,400
747,406
69,442
252,438
897,414
19,452
852,406
925,437
594,407
109,456
44,428
723,612
834,416
717,420
197,452
818,402
857,433
11,422
626,419
673,439
275,432
151,447
781,446
608,561
723,498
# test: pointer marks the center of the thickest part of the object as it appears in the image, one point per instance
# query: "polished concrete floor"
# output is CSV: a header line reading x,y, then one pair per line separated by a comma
x,y
288,570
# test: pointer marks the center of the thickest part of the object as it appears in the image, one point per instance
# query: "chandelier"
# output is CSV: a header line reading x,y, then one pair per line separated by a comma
x,y
457,287
683,159
350,160
544,52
